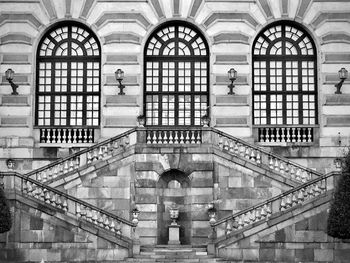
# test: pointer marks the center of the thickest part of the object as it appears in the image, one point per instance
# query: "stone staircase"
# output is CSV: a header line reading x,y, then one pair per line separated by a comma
x,y
168,254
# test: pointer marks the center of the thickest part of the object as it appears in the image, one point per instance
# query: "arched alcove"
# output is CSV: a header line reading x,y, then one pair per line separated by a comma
x,y
174,187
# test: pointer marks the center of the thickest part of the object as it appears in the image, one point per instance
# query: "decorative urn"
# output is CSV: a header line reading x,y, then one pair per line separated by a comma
x,y
174,213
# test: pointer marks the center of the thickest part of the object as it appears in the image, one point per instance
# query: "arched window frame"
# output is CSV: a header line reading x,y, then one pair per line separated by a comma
x,y
68,80
295,104
158,111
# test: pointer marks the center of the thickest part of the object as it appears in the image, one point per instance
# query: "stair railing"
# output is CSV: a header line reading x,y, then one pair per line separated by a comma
x,y
222,228
73,162
260,156
70,205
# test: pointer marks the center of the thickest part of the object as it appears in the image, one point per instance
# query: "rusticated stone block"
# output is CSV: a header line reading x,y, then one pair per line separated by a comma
x,y
323,255
285,255
36,223
341,255
250,254
303,255
266,254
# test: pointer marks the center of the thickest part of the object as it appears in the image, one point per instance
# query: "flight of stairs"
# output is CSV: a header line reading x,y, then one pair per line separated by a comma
x,y
168,254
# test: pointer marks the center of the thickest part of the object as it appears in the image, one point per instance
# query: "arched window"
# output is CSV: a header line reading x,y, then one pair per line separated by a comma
x,y
176,76
68,79
284,82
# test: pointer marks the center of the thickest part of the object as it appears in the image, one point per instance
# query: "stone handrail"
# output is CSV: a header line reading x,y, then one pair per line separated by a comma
x,y
260,156
70,205
262,211
86,156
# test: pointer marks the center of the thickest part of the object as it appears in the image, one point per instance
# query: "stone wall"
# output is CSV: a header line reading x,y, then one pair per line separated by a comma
x,y
40,233
297,237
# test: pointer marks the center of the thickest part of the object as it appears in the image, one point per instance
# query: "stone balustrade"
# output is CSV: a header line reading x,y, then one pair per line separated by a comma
x,y
282,134
67,135
100,151
264,158
173,136
69,205
289,199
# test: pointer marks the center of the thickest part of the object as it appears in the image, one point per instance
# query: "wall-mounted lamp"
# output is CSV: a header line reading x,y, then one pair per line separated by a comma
x,y
343,75
232,76
9,77
11,164
119,76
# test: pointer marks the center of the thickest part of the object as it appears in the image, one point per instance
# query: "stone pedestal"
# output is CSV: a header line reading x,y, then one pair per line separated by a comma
x,y
174,234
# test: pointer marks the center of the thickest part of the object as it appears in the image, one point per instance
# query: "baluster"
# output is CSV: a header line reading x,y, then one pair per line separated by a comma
x,y
198,137
176,137
278,138
293,135
181,137
69,137
59,135
193,138
226,145
71,165
288,201
148,138
292,173
236,148
88,215
80,137
242,150
53,137
252,216
94,217
118,228
272,135
261,137
86,138
220,142
309,135
300,196
283,205
304,134
112,226
78,210
47,197
38,177
228,227
64,135
106,223
59,202
171,137
294,198
44,176
231,146
271,163
91,139
165,138
48,136
65,205
288,135
297,175
247,153
100,220
258,157
89,157
282,138
95,154
281,168
298,135
100,152
74,135
127,140
154,138
277,165
53,199
258,213
252,155
65,167
160,137
187,138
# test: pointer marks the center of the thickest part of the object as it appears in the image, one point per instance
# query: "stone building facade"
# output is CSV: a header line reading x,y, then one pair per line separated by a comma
x,y
126,104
